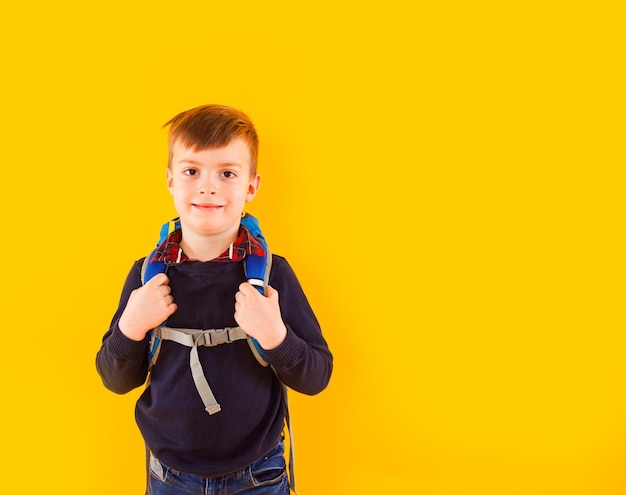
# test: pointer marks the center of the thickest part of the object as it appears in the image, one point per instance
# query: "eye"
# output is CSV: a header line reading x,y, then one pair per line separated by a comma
x,y
229,174
190,172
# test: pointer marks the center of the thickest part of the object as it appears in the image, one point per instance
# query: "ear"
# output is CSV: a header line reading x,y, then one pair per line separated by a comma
x,y
170,180
253,188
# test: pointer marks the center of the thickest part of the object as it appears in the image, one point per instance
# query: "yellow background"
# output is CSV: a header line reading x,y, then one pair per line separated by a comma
x,y
447,182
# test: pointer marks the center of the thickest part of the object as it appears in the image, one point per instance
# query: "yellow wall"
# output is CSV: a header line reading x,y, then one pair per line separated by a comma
x,y
446,182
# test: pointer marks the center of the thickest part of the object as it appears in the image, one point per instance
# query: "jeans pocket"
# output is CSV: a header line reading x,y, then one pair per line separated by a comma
x,y
271,468
156,469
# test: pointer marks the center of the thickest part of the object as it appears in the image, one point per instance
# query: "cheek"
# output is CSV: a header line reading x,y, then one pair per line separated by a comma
x,y
237,193
179,197
181,189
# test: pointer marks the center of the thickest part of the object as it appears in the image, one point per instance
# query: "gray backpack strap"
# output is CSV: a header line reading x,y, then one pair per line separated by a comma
x,y
211,337
195,338
202,386
292,471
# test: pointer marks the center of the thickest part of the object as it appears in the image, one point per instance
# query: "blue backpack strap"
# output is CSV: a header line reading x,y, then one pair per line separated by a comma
x,y
151,268
257,270
256,267
167,229
252,224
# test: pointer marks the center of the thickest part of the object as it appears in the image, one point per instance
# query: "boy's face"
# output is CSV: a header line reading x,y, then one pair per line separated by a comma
x,y
211,187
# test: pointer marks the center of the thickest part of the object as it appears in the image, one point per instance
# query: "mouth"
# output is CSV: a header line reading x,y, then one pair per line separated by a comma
x,y
206,206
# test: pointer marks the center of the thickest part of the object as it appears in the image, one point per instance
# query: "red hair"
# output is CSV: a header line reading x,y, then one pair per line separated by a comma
x,y
213,126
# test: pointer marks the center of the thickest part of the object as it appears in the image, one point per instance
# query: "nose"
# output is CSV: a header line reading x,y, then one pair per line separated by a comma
x,y
207,185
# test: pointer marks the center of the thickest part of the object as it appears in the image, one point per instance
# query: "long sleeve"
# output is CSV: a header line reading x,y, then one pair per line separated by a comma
x,y
303,360
121,362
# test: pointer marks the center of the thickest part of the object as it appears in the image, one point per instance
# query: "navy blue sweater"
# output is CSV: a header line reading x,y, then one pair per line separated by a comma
x,y
170,413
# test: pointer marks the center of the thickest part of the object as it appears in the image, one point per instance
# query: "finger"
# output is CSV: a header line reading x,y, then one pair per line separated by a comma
x,y
159,292
246,288
253,291
271,292
172,308
158,279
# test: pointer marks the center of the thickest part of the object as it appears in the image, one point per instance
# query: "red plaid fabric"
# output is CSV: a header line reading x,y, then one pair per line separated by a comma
x,y
169,250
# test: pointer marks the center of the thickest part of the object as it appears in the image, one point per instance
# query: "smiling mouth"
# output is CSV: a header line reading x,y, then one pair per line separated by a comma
x,y
206,207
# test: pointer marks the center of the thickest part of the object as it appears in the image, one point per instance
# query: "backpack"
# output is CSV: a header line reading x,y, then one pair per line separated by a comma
x,y
257,271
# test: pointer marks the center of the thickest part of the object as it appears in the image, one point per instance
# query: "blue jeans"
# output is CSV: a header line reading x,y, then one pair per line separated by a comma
x,y
267,476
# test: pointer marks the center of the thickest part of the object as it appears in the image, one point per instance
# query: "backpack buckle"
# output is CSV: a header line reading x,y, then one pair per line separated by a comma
x,y
217,337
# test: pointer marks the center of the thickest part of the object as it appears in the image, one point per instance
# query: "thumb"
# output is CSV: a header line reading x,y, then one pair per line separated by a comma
x,y
158,279
270,292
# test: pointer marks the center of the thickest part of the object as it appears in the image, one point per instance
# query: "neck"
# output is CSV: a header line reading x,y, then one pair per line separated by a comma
x,y
206,247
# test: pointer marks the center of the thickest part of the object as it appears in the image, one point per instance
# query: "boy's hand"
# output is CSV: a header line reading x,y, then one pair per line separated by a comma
x,y
147,307
259,316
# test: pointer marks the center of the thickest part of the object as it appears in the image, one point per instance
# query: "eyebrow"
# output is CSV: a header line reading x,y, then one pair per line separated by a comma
x,y
221,164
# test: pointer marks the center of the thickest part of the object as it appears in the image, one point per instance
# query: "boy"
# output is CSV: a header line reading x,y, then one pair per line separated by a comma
x,y
211,175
